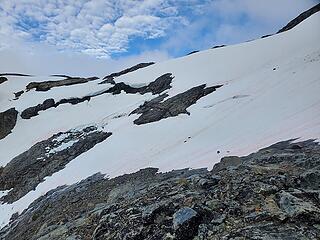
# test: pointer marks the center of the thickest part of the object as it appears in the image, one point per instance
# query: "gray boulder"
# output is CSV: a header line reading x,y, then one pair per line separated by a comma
x,y
8,120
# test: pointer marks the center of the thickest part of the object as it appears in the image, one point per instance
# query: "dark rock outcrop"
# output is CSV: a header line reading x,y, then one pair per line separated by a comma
x,y
47,85
185,223
159,85
190,53
8,120
260,198
23,173
50,103
108,80
61,75
110,77
267,35
75,100
33,111
218,46
15,74
300,18
158,108
18,94
3,79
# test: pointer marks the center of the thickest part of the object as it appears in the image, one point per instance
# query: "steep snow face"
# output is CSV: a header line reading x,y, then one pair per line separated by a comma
x,y
270,93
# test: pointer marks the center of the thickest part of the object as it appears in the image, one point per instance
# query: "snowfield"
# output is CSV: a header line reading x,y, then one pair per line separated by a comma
x,y
270,93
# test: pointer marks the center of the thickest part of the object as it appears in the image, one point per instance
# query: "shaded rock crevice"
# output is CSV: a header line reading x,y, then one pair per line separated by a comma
x,y
24,172
158,108
8,121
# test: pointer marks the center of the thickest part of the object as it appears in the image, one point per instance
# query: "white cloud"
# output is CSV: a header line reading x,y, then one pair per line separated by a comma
x,y
99,27
102,28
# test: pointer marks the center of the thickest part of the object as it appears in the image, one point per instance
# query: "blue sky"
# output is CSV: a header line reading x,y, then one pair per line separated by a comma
x,y
123,29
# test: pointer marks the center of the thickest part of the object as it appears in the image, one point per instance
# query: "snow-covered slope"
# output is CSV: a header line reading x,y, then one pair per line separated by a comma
x,y
270,92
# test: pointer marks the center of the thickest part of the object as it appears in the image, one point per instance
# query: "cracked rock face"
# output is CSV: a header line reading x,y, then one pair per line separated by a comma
x,y
158,108
23,173
8,120
261,197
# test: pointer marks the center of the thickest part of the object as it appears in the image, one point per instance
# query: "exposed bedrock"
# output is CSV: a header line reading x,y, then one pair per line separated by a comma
x,y
8,120
49,103
300,18
158,108
24,172
192,52
218,46
47,85
15,74
33,111
159,85
3,79
110,78
18,94
266,195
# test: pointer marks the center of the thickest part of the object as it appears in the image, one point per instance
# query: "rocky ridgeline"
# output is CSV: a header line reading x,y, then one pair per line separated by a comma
x,y
110,77
47,85
300,18
271,194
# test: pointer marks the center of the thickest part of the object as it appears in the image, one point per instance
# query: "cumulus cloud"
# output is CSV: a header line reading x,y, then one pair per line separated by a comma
x,y
97,27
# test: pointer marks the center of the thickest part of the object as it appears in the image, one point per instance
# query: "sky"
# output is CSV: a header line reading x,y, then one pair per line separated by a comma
x,y
58,36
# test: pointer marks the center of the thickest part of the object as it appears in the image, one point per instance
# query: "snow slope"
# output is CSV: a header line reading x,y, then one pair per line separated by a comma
x,y
270,93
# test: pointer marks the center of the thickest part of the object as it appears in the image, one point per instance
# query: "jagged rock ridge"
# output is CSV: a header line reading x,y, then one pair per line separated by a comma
x,y
271,194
